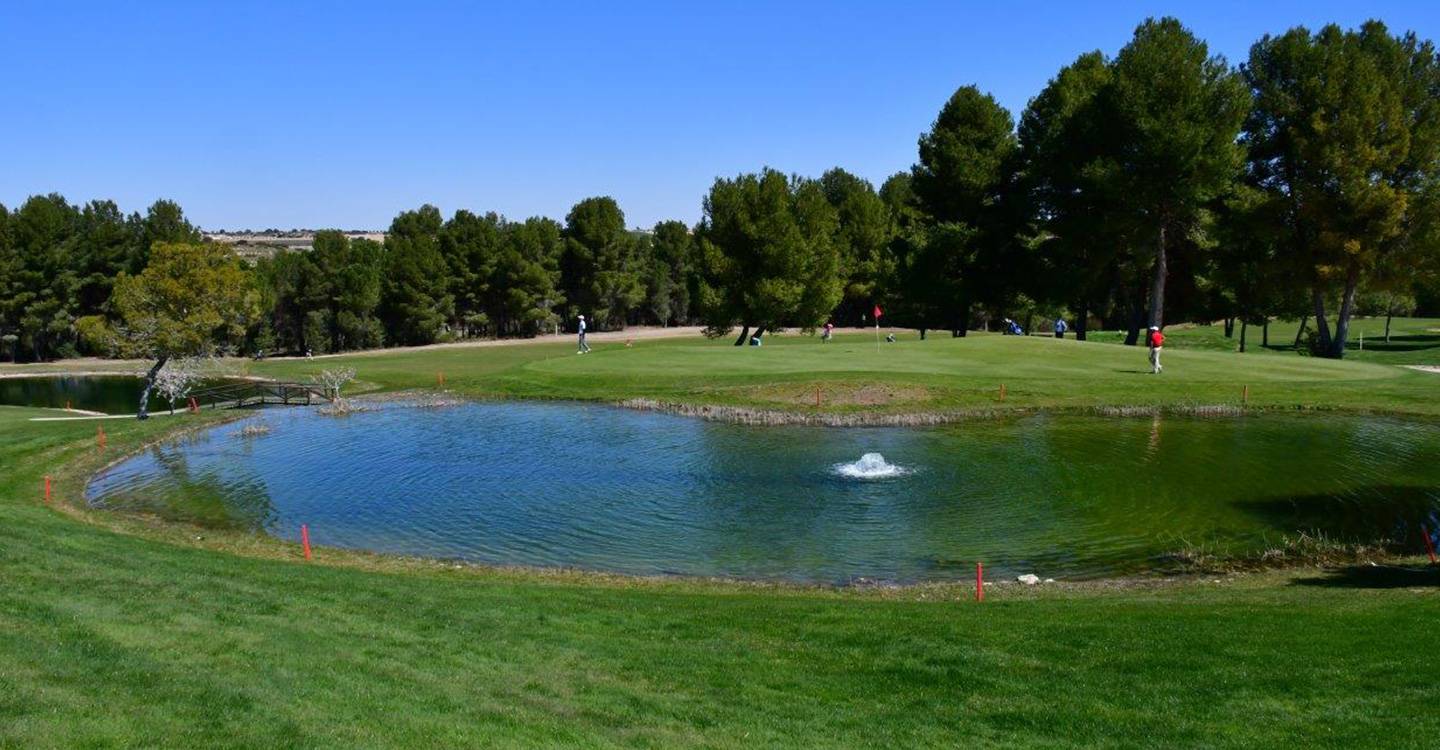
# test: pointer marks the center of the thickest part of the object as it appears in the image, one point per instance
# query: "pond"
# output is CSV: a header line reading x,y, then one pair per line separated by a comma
x,y
610,489
110,394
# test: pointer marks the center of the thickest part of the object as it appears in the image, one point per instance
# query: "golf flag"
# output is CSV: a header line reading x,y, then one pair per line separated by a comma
x,y
877,314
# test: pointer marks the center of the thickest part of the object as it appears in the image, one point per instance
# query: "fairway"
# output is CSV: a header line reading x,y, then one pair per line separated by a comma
x,y
936,375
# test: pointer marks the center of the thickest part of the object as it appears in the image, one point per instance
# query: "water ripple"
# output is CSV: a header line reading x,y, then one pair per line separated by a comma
x,y
611,489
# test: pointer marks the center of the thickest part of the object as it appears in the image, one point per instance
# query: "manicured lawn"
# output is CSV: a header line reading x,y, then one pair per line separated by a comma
x,y
119,632
1413,341
941,373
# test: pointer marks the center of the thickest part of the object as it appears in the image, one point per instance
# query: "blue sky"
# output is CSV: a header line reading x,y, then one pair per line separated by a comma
x,y
341,114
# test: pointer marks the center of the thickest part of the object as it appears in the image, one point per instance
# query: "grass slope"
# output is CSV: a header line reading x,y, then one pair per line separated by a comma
x,y
160,638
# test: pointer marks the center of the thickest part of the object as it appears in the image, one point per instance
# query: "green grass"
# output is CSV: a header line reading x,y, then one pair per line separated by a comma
x,y
121,632
941,373
1413,341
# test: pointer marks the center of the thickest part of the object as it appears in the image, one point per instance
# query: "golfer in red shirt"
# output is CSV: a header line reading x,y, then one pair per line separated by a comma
x,y
1157,342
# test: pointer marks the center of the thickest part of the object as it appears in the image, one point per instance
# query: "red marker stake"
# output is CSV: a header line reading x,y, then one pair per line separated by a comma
x,y
47,489
1429,545
979,582
100,436
305,539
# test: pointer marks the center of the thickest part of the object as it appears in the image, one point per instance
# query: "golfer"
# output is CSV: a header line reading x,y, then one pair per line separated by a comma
x,y
829,330
1157,342
1060,328
584,347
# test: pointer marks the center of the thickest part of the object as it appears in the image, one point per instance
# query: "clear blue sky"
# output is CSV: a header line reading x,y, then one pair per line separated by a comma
x,y
316,114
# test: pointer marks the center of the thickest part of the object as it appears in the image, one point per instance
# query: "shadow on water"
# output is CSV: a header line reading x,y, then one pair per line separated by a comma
x,y
204,497
564,485
1363,515
1376,577
111,394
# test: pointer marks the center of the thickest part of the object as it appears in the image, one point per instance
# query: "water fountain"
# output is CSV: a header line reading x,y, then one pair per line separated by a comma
x,y
870,466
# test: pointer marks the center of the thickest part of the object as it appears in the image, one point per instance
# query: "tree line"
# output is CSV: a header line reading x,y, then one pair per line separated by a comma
x,y
1161,184
1155,185
474,275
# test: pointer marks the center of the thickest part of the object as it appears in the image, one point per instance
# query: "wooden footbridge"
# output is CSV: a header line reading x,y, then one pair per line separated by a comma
x,y
260,393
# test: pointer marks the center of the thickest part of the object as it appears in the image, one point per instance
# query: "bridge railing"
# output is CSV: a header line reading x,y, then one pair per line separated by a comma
x,y
259,393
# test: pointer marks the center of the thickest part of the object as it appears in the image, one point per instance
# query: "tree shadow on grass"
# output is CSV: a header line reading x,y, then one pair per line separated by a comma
x,y
1369,347
1432,338
1397,343
1408,343
1375,577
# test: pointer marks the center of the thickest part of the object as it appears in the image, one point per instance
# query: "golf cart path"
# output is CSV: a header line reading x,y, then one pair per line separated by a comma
x,y
90,416
637,333
83,367
96,366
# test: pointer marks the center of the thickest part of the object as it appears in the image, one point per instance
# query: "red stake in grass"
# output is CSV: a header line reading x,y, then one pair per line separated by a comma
x,y
305,539
47,489
979,582
817,396
440,379
194,406
1429,545
100,436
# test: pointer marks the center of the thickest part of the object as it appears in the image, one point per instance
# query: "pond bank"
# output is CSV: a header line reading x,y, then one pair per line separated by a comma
x,y
781,417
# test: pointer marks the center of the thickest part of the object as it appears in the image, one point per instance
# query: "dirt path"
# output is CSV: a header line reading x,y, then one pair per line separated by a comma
x,y
97,366
90,416
637,333
84,366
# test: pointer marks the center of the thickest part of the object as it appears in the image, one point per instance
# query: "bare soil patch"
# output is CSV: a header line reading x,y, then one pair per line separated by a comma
x,y
839,394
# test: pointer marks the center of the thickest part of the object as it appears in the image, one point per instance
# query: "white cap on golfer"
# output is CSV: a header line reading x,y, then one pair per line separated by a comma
x,y
1154,328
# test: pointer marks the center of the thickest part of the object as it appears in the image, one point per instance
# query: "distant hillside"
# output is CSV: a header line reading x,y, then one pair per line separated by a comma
x,y
250,244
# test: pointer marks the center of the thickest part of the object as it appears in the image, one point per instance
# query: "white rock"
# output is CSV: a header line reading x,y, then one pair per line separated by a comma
x,y
1029,579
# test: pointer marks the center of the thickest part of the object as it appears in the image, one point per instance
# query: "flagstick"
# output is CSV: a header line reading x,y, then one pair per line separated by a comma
x,y
876,313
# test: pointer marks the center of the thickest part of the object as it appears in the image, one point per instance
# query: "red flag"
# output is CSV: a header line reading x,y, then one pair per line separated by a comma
x,y
877,312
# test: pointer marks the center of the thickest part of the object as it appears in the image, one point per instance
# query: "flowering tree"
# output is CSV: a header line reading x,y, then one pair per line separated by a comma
x,y
179,377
